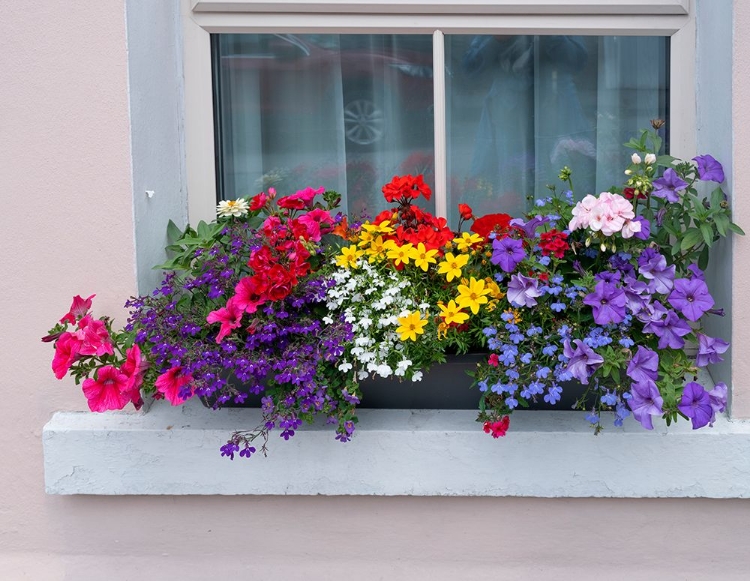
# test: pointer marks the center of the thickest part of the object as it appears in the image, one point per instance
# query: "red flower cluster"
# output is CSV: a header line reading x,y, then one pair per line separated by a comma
x,y
629,193
407,187
498,428
411,223
554,242
465,211
491,223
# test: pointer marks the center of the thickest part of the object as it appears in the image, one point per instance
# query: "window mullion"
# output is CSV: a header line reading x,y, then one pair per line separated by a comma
x,y
441,173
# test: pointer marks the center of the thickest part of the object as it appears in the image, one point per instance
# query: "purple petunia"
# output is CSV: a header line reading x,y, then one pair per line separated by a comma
x,y
645,401
507,253
645,230
691,298
709,350
668,185
644,365
709,169
653,266
696,404
523,291
608,302
529,228
582,361
670,329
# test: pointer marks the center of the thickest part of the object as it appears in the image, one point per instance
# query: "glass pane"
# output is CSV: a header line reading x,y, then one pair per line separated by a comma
x,y
347,112
522,107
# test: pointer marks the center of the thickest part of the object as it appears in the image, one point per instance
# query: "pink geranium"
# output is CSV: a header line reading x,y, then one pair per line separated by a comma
x,y
67,349
94,337
78,309
171,383
608,214
230,317
109,391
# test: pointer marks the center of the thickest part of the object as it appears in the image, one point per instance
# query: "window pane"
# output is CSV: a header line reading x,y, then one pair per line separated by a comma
x,y
346,112
522,107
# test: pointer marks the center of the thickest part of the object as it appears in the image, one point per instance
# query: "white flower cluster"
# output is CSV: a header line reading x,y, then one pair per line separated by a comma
x,y
372,301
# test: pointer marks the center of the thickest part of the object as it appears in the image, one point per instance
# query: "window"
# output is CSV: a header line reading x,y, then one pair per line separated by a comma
x,y
349,111
371,131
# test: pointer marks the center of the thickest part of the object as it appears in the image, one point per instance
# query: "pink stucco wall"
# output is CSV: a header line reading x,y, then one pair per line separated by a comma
x,y
66,225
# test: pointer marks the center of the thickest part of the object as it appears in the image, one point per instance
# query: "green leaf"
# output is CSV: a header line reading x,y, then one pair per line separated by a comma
x,y
717,197
722,223
703,259
691,237
174,233
204,230
707,232
665,160
736,229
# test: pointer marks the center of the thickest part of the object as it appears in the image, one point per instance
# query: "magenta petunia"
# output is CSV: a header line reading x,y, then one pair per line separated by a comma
x,y
172,385
109,391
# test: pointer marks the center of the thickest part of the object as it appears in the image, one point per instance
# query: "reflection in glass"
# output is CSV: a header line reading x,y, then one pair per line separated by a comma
x,y
347,112
522,107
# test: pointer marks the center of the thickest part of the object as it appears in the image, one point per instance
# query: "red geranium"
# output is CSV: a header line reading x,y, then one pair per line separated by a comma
x,y
465,211
554,242
490,223
406,187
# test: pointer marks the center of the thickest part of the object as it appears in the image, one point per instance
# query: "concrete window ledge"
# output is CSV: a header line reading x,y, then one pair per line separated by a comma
x,y
394,452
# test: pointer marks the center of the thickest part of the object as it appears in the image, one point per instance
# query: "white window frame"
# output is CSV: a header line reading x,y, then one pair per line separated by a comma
x,y
201,18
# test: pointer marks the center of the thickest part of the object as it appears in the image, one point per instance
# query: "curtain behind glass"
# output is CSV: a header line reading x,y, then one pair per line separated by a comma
x,y
346,112
522,107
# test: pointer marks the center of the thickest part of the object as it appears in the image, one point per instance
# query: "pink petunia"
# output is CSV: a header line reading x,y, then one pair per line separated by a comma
x,y
230,317
94,337
171,383
78,309
108,391
317,222
67,349
134,368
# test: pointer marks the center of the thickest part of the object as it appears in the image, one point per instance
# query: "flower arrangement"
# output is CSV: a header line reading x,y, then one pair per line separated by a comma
x,y
285,298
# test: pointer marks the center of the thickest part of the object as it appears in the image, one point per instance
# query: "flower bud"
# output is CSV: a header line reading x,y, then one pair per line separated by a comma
x,y
603,247
635,158
628,172
657,123
650,158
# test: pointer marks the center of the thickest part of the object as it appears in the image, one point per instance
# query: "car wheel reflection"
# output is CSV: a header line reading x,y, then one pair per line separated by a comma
x,y
364,121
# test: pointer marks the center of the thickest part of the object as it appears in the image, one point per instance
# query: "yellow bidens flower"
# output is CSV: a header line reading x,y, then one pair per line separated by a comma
x,y
383,228
411,326
236,208
452,265
376,250
423,257
348,257
399,254
466,241
494,289
451,313
472,295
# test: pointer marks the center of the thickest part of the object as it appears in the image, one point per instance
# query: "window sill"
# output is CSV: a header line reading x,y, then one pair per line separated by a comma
x,y
395,452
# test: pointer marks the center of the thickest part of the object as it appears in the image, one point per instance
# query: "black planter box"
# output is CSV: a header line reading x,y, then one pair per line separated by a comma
x,y
447,386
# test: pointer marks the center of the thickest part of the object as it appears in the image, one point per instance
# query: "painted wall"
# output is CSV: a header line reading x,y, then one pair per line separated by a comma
x,y
68,227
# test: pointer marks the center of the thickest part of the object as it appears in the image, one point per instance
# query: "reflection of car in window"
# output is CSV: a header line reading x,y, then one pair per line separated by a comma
x,y
378,81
